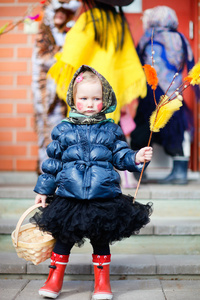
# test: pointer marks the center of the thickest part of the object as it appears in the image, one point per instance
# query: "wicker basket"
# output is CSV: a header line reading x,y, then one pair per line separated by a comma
x,y
31,243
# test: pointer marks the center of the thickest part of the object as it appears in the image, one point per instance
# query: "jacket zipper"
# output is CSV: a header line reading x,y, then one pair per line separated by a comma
x,y
88,134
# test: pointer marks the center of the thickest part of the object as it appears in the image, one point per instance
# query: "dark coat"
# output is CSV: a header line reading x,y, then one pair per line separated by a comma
x,y
82,161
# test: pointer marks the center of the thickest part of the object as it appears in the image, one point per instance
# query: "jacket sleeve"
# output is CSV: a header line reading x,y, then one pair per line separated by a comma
x,y
123,156
46,184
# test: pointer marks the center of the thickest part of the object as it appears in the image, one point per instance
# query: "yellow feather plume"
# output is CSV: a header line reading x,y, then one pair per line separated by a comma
x,y
163,113
194,74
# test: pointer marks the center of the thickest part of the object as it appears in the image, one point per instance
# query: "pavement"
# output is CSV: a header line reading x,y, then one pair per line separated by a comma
x,y
150,289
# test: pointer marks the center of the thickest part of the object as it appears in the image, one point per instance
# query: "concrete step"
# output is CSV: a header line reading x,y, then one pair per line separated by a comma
x,y
20,185
121,266
18,178
154,171
162,209
146,191
138,244
169,217
157,226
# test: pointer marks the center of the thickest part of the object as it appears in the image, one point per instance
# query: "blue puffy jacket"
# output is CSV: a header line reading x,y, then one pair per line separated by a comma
x,y
82,161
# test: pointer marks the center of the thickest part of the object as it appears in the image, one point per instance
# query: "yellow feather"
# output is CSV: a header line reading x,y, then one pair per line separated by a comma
x,y
163,113
195,74
162,100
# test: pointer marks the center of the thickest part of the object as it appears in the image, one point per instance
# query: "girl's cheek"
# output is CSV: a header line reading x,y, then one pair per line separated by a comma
x,y
99,106
79,106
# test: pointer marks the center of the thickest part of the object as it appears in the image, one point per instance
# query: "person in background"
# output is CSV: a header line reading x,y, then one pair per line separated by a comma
x,y
171,53
101,39
49,109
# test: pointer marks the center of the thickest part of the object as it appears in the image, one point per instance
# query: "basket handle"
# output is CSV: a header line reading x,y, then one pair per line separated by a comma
x,y
24,215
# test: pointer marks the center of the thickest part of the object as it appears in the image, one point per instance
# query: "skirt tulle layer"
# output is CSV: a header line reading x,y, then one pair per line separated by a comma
x,y
107,220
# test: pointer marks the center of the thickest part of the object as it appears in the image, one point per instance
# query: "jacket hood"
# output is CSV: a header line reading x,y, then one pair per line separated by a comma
x,y
109,98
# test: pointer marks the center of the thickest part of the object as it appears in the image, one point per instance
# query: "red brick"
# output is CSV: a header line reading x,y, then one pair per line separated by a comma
x,y
6,52
13,94
6,108
26,164
5,21
5,136
13,11
25,108
12,122
27,136
24,80
13,150
10,38
33,38
6,80
13,66
7,1
34,150
32,122
28,1
24,52
6,165
20,27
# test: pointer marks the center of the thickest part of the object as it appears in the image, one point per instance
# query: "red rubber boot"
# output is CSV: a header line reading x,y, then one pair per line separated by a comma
x,y
102,289
53,285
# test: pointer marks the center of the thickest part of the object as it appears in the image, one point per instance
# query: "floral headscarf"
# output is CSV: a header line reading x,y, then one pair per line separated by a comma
x,y
172,49
109,100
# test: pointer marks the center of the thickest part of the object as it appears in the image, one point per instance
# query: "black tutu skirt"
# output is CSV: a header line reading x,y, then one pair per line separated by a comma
x,y
106,220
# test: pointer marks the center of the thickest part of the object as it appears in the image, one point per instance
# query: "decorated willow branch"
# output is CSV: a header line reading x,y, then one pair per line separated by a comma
x,y
167,105
27,17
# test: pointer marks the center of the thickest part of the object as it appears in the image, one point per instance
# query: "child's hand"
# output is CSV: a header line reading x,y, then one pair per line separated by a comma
x,y
144,154
41,199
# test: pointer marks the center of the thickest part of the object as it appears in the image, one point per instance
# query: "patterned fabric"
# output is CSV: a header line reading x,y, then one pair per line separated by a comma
x,y
109,100
160,16
172,49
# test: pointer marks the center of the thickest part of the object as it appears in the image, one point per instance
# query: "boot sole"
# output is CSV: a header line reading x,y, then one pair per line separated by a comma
x,y
49,294
102,297
174,182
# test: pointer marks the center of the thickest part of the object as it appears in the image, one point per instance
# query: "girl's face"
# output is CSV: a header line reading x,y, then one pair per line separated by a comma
x,y
88,98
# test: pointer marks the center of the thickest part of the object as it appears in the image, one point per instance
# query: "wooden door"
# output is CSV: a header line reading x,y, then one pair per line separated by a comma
x,y
186,11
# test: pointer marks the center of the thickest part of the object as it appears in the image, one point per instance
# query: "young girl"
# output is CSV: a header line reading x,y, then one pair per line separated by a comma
x,y
82,186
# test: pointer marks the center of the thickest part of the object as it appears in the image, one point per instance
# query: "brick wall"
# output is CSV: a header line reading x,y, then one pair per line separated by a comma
x,y
18,141
18,151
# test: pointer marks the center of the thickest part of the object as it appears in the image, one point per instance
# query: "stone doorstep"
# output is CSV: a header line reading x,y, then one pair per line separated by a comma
x,y
157,226
146,191
18,177
153,171
81,264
